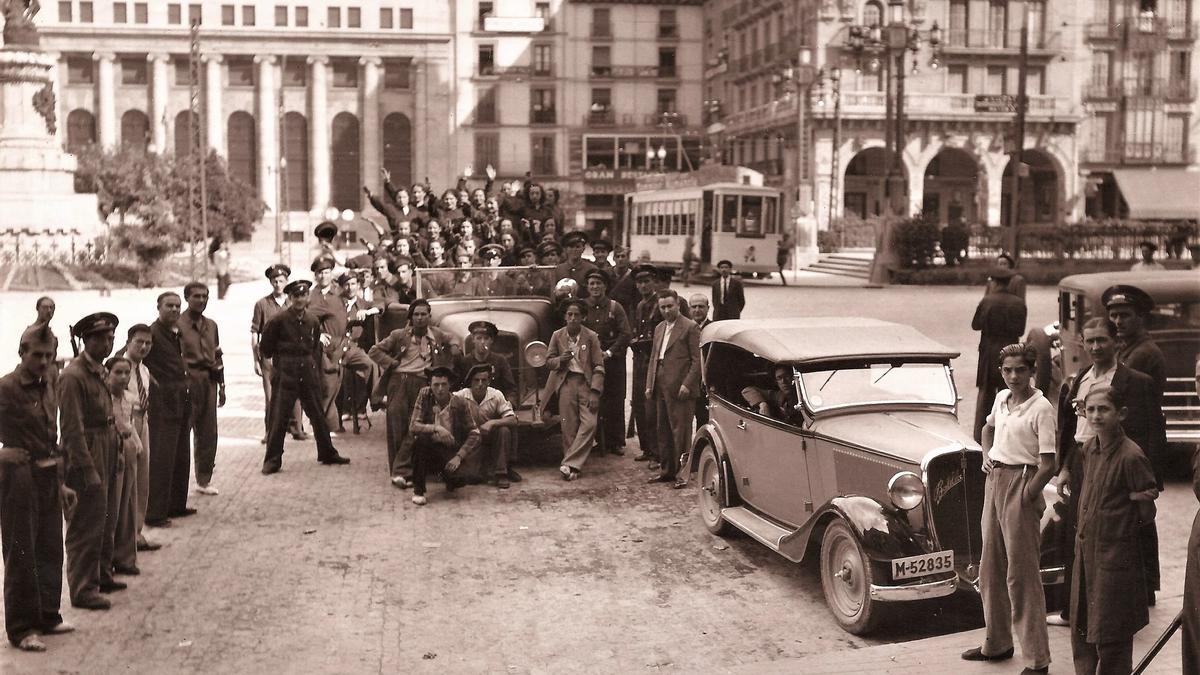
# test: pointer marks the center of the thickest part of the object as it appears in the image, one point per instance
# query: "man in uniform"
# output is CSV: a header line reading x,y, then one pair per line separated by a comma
x,y
607,319
543,281
576,378
264,310
497,423
600,250
623,288
1129,308
728,296
292,340
32,495
325,233
574,266
327,307
169,417
483,336
646,319
206,375
1000,320
441,425
404,357
91,445
672,384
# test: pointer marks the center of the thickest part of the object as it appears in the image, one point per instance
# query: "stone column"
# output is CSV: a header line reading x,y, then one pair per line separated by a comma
x,y
214,83
995,188
268,146
372,148
420,125
106,105
160,88
318,132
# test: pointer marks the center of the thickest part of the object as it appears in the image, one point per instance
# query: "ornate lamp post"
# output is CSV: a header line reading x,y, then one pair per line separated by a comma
x,y
798,79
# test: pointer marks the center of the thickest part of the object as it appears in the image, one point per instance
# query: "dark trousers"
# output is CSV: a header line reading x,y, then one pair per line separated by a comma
x,y
223,281
90,531
204,424
612,404
430,457
1098,658
331,384
32,536
644,412
299,386
674,420
170,459
496,449
126,532
402,390
294,425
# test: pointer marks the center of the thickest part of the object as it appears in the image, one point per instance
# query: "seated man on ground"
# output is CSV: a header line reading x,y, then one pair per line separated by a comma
x,y
780,404
497,422
442,432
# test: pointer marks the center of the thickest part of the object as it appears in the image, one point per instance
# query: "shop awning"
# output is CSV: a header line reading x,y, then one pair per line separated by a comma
x,y
1160,194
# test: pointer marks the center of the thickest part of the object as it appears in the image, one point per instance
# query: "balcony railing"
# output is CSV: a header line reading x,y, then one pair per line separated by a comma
x,y
600,118
626,72
1103,30
1181,90
1182,30
543,116
666,119
1101,90
602,31
997,39
668,31
873,103
1139,152
667,72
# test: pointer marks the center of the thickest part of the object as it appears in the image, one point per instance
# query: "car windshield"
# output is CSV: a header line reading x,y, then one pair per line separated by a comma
x,y
471,282
875,383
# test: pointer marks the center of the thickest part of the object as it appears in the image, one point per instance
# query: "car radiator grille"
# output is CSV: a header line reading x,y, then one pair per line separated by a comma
x,y
956,504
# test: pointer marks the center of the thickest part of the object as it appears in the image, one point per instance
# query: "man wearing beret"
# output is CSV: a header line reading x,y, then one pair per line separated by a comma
x,y
327,306
32,495
444,434
404,358
1000,320
574,266
646,319
206,374
264,310
292,340
607,319
497,423
576,378
91,446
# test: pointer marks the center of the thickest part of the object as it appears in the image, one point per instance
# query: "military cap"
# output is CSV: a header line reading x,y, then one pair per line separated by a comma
x,y
323,262
602,244
476,369
1148,244
598,274
491,251
1001,273
483,325
278,270
445,371
566,304
99,322
1123,294
724,262
326,230
547,247
644,271
573,238
298,286
522,250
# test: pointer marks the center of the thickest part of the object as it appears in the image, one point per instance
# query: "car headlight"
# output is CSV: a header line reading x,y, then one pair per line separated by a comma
x,y
906,490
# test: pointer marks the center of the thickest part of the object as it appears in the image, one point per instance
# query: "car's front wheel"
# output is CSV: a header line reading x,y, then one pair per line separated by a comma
x,y
712,490
846,580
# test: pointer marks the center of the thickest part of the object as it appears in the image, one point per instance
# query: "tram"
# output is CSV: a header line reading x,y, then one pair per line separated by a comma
x,y
725,213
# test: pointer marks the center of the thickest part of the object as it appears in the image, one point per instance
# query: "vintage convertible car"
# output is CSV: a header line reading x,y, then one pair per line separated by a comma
x,y
854,450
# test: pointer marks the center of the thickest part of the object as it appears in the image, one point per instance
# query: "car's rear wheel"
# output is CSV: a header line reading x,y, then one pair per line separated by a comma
x,y
712,491
846,580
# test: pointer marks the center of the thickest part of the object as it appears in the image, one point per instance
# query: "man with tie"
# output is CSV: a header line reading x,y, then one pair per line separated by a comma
x,y
673,384
206,381
729,299
698,311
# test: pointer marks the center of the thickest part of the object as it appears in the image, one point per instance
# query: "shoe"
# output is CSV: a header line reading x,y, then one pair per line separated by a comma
x,y
160,522
401,482
94,602
679,484
659,479
645,456
653,465
618,451
502,482
184,513
131,571
977,654
144,545
300,436
1057,619
565,471
514,476
419,500
32,643
336,459
270,468
207,490
112,586
1033,671
60,628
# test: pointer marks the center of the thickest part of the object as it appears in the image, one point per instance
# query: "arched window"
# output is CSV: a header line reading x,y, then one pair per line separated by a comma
x,y
183,134
243,148
81,130
872,14
346,167
135,130
397,148
295,151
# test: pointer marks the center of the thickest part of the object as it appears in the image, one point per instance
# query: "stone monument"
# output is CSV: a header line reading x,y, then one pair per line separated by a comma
x,y
38,203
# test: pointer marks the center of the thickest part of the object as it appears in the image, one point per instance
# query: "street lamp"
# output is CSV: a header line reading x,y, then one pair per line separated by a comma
x,y
798,78
833,75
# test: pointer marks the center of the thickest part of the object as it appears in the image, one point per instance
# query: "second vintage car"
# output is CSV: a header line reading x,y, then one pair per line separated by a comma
x,y
840,437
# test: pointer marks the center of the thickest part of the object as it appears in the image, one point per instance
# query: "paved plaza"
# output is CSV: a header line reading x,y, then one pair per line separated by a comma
x,y
331,570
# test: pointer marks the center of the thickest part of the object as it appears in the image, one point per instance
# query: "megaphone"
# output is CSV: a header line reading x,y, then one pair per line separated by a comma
x,y
535,354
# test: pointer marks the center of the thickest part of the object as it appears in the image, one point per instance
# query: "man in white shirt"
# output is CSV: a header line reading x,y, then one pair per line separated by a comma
x,y
137,346
1019,442
496,421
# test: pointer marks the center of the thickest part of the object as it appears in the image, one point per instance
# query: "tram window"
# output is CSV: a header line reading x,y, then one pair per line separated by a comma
x,y
691,224
752,212
771,215
729,213
706,213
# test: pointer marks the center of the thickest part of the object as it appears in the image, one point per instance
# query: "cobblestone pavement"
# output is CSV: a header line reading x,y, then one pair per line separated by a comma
x,y
330,569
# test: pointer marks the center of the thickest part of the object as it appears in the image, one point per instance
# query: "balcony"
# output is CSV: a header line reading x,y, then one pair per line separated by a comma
x,y
1182,30
600,118
667,72
668,31
1181,90
666,119
538,115
1101,90
871,104
515,72
1140,153
601,72
958,40
601,32
1146,33
1103,30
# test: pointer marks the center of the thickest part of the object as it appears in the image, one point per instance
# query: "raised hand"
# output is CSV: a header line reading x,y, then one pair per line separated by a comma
x,y
491,172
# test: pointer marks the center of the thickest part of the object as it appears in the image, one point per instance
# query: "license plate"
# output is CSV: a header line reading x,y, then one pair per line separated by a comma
x,y
920,565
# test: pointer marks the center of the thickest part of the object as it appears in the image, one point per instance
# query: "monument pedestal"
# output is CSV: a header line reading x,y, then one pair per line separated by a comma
x,y
37,178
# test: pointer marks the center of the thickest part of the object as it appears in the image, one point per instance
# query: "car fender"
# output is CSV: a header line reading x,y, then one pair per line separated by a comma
x,y
709,435
883,532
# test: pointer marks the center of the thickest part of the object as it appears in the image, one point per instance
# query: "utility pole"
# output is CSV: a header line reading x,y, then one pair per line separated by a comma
x,y
197,148
1014,205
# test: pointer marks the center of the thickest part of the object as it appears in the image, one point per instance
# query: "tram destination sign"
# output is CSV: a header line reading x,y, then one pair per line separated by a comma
x,y
995,103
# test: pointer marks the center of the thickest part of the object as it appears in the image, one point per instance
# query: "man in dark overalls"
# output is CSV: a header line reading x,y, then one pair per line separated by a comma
x,y
292,339
607,318
91,445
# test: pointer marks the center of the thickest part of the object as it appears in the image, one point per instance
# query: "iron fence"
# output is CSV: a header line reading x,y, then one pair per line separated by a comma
x,y
44,248
1115,240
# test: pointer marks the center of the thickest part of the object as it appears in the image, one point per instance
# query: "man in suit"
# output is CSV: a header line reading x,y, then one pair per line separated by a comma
x,y
673,384
576,363
729,298
1000,320
1143,424
698,311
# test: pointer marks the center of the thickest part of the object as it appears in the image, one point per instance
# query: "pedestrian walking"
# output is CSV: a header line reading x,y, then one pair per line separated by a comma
x,y
1019,449
91,446
646,318
728,295
292,340
33,496
206,381
1108,585
783,253
444,435
124,559
673,384
1000,320
222,260
264,310
607,319
169,417
576,379
138,342
493,415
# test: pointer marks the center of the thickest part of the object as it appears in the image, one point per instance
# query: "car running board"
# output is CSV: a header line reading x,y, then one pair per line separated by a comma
x,y
766,532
